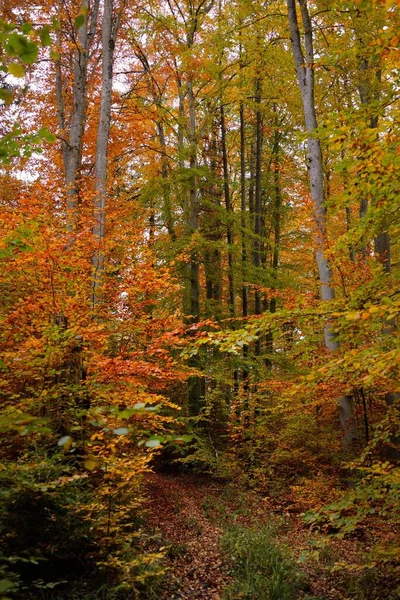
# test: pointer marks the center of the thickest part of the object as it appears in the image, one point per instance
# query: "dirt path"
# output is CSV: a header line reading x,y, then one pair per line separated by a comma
x,y
186,514
176,505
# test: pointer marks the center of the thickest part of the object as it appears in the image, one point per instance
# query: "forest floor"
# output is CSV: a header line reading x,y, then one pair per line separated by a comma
x,y
188,516
178,506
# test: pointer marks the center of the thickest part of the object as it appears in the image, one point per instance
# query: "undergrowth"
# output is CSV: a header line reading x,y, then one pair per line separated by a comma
x,y
262,569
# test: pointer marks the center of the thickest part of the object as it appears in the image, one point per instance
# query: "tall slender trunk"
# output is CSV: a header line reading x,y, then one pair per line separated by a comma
x,y
277,211
348,214
369,91
257,258
73,132
212,232
305,75
166,188
183,191
229,214
158,99
195,384
109,32
243,222
193,207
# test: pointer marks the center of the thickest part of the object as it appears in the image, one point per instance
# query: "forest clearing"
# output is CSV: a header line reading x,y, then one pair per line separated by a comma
x,y
199,300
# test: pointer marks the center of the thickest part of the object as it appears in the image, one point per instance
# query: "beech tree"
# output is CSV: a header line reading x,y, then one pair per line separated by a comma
x,y
206,193
305,65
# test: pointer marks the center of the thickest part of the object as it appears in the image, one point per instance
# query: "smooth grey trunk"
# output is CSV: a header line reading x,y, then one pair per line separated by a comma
x,y
243,222
61,107
165,182
245,290
73,128
277,209
212,231
193,207
229,214
184,193
195,384
305,75
257,258
109,32
73,149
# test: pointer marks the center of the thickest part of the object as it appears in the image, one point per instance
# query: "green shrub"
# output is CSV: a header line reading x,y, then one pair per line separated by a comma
x,y
262,569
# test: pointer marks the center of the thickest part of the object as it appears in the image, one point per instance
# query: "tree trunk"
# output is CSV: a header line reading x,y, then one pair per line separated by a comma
x,y
277,210
169,221
212,232
245,290
109,31
305,76
229,214
193,207
73,138
257,261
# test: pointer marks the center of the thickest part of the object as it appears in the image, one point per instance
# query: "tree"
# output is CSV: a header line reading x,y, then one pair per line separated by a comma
x,y
305,65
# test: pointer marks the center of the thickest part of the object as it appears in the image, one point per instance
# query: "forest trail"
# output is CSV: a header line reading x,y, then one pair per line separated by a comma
x,y
189,514
181,508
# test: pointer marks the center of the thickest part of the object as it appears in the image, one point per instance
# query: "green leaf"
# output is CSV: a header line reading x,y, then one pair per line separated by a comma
x,y
6,95
79,21
26,27
45,36
16,70
6,584
45,134
54,55
19,45
388,159
31,54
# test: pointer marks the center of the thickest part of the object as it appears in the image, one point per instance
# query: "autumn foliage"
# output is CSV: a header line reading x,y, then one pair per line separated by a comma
x,y
164,310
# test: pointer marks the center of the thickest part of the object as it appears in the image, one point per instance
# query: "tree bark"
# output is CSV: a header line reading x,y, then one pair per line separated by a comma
x,y
193,207
229,214
277,210
109,32
169,221
245,289
72,144
305,75
257,259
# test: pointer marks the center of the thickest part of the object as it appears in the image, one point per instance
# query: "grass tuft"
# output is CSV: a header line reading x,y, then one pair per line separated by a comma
x,y
262,569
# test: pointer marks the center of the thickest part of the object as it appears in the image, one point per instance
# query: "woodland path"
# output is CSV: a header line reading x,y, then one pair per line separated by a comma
x,y
188,515
181,508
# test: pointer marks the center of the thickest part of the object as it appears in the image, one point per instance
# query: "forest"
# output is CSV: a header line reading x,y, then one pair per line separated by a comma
x,y
199,300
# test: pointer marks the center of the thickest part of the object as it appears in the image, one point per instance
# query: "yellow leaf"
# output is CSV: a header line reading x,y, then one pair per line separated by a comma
x,y
16,70
90,463
352,316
